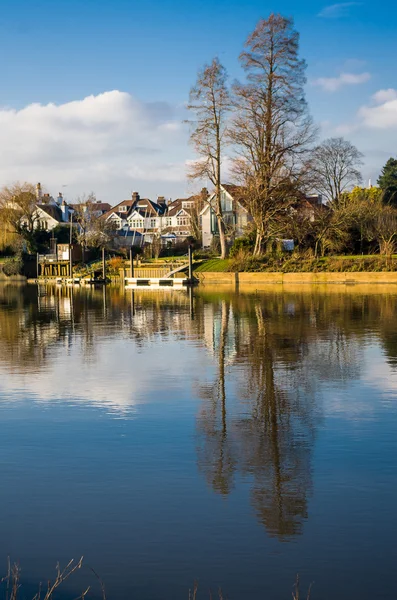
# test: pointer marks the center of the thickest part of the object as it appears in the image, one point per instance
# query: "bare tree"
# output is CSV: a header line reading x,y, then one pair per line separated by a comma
x,y
329,229
198,202
210,101
272,129
385,227
102,233
85,216
335,167
18,210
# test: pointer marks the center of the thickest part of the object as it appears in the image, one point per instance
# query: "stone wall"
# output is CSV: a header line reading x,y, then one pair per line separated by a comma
x,y
237,279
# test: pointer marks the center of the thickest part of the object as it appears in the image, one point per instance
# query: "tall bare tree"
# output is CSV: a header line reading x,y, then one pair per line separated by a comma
x,y
335,167
210,101
272,129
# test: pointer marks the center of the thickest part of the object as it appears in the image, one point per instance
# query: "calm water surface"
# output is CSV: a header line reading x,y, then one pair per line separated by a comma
x,y
236,439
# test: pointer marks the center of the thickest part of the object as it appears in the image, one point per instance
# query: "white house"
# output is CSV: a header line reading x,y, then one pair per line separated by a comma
x,y
172,222
235,216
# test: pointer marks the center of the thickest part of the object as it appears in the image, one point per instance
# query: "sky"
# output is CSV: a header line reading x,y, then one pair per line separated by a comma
x,y
93,93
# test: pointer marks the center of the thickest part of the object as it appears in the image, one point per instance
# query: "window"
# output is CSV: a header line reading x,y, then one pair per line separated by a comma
x,y
123,208
188,204
226,202
168,222
183,220
136,223
152,222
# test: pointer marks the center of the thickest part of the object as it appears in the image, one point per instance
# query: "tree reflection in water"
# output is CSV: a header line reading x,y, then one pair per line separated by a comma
x,y
273,353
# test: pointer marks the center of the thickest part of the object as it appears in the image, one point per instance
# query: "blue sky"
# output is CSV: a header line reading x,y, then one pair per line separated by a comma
x,y
147,54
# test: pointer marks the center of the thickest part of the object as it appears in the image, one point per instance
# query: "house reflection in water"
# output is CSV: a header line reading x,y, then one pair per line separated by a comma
x,y
259,393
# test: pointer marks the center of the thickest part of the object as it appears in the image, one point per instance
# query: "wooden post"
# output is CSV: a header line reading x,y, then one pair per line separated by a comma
x,y
190,264
191,302
132,262
132,302
70,262
103,265
37,265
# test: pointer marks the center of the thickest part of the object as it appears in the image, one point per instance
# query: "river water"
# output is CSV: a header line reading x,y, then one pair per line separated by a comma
x,y
235,439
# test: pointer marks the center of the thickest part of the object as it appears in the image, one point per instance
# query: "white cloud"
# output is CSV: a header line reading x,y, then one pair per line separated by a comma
x,y
372,129
101,142
336,11
385,96
116,360
333,84
382,113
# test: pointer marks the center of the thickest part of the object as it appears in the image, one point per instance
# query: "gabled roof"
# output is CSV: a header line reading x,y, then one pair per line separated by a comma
x,y
156,209
103,206
116,209
145,207
136,212
176,206
236,192
183,211
51,210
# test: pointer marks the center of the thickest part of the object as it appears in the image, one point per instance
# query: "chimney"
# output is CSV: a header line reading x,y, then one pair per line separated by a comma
x,y
60,198
39,191
45,198
64,210
135,196
161,201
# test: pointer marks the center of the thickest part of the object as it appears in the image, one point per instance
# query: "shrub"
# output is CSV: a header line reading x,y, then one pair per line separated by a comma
x,y
242,243
114,265
203,254
303,263
13,266
215,246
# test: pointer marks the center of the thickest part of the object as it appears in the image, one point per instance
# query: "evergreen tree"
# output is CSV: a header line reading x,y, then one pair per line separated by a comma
x,y
388,182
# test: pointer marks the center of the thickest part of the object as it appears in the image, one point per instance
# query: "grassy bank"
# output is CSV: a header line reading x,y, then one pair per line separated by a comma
x,y
299,264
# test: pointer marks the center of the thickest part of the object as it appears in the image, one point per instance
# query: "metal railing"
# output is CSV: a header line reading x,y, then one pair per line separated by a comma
x,y
47,258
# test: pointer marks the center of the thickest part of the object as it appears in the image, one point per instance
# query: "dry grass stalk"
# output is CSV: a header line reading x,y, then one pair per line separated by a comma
x,y
296,591
13,576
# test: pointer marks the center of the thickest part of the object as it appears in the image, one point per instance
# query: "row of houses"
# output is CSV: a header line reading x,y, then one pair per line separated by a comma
x,y
140,220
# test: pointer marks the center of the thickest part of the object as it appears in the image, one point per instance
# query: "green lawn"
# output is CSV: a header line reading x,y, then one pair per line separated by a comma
x,y
214,264
296,264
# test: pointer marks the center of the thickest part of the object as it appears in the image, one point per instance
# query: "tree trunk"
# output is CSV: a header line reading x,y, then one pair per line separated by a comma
x,y
258,248
219,214
222,236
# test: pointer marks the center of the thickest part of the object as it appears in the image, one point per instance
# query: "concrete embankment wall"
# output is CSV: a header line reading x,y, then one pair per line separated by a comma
x,y
247,279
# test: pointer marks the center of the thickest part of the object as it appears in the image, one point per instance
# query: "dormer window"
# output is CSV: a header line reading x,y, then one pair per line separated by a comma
x,y
123,208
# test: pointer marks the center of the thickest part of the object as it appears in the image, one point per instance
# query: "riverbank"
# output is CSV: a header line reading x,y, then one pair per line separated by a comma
x,y
265,278
299,264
